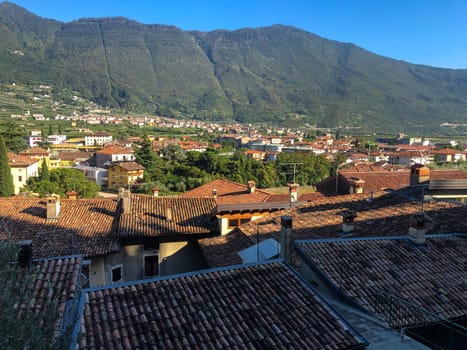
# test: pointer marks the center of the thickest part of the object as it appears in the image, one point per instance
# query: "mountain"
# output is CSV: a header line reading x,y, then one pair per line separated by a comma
x,y
277,74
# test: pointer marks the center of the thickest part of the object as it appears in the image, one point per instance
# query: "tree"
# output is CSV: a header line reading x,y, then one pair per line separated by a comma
x,y
64,180
7,187
44,174
14,137
146,156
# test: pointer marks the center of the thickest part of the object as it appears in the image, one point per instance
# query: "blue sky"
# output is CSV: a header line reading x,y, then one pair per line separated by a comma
x,y
432,32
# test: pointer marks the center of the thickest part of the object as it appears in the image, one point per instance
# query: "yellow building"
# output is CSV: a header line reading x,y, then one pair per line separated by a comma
x,y
22,168
123,174
38,153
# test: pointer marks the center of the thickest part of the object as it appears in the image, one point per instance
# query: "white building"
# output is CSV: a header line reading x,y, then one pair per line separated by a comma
x,y
99,138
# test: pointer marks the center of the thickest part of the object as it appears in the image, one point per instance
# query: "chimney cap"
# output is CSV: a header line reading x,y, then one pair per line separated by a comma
x,y
348,215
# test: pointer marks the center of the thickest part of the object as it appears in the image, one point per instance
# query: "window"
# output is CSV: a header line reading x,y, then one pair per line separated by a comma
x,y
20,178
234,222
116,273
151,265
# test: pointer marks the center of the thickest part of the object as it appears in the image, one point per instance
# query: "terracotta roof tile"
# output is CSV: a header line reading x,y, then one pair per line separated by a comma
x,y
85,226
149,216
228,192
50,280
15,160
384,215
35,150
115,150
258,307
130,166
432,277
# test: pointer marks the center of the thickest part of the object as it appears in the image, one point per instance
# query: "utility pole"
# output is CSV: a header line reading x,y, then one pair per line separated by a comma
x,y
294,168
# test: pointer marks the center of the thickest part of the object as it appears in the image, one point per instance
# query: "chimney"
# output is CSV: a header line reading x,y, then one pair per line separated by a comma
x,y
24,257
418,225
168,214
120,192
348,217
251,186
53,207
126,201
72,195
286,239
155,191
293,192
214,193
419,174
356,185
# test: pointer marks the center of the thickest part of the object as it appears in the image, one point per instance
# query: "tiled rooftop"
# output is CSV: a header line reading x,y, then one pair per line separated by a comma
x,y
15,160
91,226
432,277
51,279
380,178
384,215
85,226
228,192
149,216
35,151
263,306
115,150
130,166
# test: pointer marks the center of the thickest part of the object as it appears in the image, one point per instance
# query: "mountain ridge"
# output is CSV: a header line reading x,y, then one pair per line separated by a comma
x,y
274,74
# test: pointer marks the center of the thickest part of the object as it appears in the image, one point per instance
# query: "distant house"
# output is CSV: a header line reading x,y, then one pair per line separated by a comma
x,y
124,174
22,168
99,138
38,153
112,154
448,155
92,173
253,154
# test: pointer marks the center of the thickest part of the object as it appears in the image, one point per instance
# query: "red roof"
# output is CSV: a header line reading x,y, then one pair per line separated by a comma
x,y
115,150
15,160
229,192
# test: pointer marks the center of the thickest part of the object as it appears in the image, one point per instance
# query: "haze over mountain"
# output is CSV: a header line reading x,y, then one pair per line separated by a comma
x,y
277,74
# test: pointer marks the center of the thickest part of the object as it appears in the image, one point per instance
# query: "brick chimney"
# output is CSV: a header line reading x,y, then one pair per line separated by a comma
x,y
419,174
348,217
356,185
251,186
126,201
293,192
418,225
286,239
24,257
155,192
53,207
72,195
214,193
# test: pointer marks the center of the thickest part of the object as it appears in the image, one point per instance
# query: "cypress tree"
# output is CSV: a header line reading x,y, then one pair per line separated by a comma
x,y
44,174
6,179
